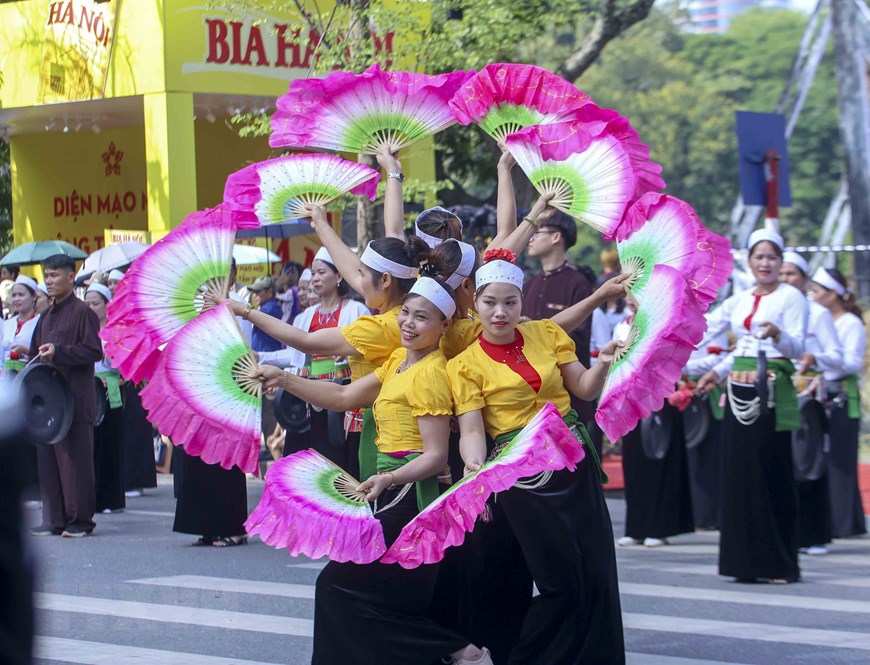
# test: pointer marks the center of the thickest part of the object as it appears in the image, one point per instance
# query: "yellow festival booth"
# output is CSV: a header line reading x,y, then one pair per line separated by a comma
x,y
117,112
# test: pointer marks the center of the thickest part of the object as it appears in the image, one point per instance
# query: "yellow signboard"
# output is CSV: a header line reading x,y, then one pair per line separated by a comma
x,y
79,35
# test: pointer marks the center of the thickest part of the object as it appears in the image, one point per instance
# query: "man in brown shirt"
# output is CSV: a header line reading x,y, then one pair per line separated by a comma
x,y
67,337
559,286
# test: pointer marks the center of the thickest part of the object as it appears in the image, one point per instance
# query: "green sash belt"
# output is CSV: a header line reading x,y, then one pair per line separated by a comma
x,y
368,451
578,429
785,396
427,489
715,398
112,380
849,385
14,365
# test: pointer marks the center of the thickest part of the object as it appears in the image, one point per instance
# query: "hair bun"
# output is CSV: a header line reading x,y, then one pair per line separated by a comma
x,y
499,254
429,269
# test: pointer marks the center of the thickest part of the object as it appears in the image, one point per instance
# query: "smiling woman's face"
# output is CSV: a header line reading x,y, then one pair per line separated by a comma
x,y
499,307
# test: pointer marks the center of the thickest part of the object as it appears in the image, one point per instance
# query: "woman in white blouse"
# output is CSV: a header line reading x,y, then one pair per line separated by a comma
x,y
759,531
844,402
18,330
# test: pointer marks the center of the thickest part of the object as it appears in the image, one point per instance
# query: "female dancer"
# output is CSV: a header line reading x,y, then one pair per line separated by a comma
x,y
377,613
847,514
17,331
108,434
335,310
821,352
759,531
499,383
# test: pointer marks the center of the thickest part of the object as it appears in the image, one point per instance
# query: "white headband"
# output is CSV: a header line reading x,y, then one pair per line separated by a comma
x,y
435,293
102,289
375,261
796,260
305,276
116,274
432,241
323,255
27,281
499,271
466,264
42,287
765,234
824,278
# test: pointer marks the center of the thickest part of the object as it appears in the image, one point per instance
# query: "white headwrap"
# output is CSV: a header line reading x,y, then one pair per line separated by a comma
x,y
435,293
323,255
116,274
770,233
42,287
27,281
466,264
375,261
499,271
305,276
432,241
796,260
824,278
102,289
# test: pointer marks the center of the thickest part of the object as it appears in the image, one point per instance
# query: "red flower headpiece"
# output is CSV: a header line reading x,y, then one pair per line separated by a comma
x,y
500,253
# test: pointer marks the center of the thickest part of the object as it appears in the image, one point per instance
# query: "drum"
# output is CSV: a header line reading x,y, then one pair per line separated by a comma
x,y
49,404
291,412
697,419
102,402
655,433
808,452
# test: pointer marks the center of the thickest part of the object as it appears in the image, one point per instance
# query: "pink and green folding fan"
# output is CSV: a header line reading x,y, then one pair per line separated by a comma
x,y
545,444
367,113
662,229
597,120
205,394
277,190
311,507
666,328
593,182
503,98
164,288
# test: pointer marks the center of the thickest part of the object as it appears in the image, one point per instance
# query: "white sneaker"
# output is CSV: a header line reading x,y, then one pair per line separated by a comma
x,y
485,659
654,542
625,541
817,550
134,493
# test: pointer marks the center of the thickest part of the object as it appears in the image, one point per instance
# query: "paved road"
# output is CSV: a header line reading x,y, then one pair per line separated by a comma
x,y
138,593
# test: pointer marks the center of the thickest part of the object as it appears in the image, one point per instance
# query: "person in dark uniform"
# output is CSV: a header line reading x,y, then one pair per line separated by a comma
x,y
67,336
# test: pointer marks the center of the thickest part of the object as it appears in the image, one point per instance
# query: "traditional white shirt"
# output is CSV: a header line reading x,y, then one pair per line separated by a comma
x,y
351,310
822,339
9,338
853,342
702,360
743,313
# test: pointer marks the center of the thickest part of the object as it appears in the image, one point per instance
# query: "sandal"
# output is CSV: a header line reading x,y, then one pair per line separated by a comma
x,y
229,541
203,541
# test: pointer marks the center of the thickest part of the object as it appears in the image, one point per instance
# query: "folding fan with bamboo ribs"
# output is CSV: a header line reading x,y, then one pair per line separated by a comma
x,y
311,507
545,444
164,288
666,329
205,394
593,182
503,98
364,113
277,190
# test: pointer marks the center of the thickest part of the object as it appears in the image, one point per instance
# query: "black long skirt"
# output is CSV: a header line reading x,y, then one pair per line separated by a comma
x,y
211,501
658,500
847,511
109,461
378,613
814,510
139,470
566,537
705,477
759,534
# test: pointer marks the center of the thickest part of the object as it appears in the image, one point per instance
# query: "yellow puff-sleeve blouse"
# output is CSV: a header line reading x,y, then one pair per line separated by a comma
x,y
423,389
506,401
374,337
460,335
